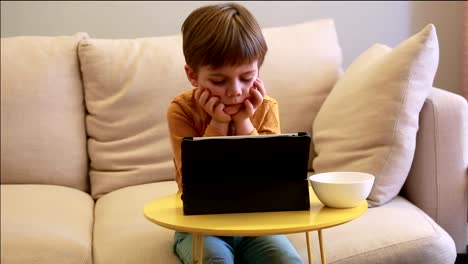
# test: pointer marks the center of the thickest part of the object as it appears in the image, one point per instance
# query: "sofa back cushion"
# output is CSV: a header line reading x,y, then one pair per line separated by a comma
x,y
130,82
43,138
303,63
128,85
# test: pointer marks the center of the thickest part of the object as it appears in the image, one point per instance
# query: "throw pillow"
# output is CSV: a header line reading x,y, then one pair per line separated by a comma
x,y
369,121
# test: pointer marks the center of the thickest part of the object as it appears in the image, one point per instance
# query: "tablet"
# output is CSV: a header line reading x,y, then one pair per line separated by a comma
x,y
251,173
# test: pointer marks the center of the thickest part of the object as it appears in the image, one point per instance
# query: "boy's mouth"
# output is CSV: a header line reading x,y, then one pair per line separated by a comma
x,y
232,109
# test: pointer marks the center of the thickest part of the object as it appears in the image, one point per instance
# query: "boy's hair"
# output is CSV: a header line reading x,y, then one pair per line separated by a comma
x,y
222,34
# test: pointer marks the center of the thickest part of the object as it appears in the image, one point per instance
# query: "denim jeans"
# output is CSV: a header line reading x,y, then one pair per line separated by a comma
x,y
246,250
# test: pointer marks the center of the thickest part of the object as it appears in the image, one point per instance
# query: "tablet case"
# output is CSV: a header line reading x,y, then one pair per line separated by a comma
x,y
245,174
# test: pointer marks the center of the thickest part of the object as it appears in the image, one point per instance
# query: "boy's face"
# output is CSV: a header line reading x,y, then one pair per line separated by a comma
x,y
229,83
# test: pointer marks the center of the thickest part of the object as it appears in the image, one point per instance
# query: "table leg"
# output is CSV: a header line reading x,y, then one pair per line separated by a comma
x,y
309,251
200,248
322,250
197,247
194,247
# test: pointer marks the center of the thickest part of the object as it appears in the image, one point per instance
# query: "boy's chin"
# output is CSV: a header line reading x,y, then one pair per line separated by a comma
x,y
232,110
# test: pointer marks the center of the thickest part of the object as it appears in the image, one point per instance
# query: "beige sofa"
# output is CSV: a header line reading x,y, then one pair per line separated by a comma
x,y
84,146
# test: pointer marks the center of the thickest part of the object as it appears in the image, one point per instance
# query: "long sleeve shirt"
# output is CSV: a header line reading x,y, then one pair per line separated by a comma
x,y
186,118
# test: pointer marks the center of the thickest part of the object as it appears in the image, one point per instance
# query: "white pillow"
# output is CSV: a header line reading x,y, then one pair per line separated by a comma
x,y
369,121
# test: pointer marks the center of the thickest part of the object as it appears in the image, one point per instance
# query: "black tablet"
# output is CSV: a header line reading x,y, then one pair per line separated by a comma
x,y
252,173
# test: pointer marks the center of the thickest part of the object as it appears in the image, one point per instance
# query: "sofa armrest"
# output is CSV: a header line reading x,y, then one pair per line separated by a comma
x,y
437,182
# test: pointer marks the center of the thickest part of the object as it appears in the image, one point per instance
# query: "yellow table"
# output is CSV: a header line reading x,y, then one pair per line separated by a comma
x,y
167,212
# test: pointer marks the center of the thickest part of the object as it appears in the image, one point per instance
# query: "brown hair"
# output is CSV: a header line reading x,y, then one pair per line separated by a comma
x,y
222,34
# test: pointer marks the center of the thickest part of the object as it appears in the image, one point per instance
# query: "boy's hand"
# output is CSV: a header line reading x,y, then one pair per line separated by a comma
x,y
257,93
211,105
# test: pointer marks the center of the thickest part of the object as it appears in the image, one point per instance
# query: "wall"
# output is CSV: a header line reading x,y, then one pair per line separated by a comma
x,y
359,24
447,16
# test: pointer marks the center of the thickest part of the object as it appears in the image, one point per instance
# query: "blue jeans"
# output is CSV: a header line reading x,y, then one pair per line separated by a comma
x,y
229,250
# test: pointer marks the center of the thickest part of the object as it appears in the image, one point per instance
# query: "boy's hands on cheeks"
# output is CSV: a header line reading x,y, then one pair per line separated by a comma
x,y
257,93
211,105
220,119
242,119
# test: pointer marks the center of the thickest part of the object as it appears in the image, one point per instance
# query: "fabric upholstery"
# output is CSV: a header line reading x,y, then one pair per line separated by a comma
x,y
371,238
369,121
43,137
123,235
438,180
302,65
129,83
45,224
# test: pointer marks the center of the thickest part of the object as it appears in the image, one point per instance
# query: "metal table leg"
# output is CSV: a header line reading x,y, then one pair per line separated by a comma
x,y
322,250
197,243
309,250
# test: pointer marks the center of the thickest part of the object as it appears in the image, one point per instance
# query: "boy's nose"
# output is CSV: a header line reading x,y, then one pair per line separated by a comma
x,y
234,89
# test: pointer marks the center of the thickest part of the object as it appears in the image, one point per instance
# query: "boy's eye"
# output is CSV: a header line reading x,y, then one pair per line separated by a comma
x,y
246,79
217,82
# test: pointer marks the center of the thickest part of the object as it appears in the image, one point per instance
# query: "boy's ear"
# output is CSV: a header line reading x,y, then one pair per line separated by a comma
x,y
191,75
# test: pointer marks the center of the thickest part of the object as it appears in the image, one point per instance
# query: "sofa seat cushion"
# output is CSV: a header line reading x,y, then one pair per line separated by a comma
x,y
45,224
397,232
122,234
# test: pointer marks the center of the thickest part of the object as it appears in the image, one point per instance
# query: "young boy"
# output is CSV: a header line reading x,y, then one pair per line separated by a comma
x,y
224,48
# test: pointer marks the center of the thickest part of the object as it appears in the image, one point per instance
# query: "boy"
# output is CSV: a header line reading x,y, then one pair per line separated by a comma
x,y
224,48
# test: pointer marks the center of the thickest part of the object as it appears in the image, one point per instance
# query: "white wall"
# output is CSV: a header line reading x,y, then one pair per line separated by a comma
x,y
359,24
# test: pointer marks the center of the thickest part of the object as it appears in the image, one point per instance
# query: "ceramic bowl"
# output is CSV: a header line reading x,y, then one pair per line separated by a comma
x,y
342,189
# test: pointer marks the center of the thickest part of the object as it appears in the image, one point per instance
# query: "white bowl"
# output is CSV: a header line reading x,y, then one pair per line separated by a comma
x,y
342,189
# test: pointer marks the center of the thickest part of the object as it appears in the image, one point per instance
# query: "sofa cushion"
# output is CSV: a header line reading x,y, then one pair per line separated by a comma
x,y
43,138
302,65
45,224
395,233
128,85
369,122
130,82
122,234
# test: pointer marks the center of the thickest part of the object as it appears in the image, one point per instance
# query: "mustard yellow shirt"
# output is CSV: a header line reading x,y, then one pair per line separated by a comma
x,y
186,118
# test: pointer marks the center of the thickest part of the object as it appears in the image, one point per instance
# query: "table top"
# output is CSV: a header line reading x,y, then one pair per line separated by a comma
x,y
167,211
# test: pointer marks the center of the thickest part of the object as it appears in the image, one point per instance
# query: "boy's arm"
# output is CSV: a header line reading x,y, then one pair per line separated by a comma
x,y
180,125
267,119
216,129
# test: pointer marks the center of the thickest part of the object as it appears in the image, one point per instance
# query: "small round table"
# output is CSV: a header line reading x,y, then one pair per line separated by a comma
x,y
167,212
